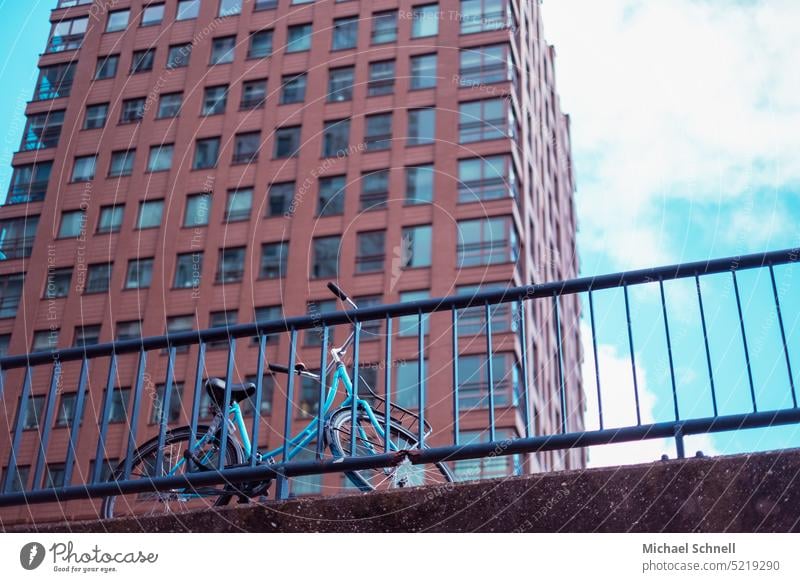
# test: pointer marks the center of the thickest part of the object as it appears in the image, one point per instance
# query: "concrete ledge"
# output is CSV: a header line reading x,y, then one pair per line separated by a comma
x,y
741,493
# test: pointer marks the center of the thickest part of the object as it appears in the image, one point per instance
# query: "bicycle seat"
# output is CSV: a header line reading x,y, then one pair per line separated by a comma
x,y
216,390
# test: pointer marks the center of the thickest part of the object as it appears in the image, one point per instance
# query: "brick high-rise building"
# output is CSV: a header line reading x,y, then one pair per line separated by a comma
x,y
192,163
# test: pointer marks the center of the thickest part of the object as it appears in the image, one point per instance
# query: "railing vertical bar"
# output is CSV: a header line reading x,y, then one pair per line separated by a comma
x,y
705,340
165,409
783,335
387,388
75,428
226,405
633,354
559,348
323,366
596,360
356,382
526,392
421,378
108,399
490,372
669,350
11,468
41,456
456,408
259,396
744,341
134,417
282,486
198,394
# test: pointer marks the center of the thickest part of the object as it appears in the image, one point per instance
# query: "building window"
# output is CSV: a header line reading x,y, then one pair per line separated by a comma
x,y
72,223
345,33
408,325
425,20
486,241
267,391
143,61
222,319
485,65
269,313
240,203
188,268
299,38
423,71
187,9
121,163
280,199
245,147
140,274
340,84
473,381
472,320
29,183
132,110
66,409
169,105
419,184
293,88
118,410
110,219
313,337
384,27
214,100
58,283
484,120
370,330
98,277
160,159
10,294
231,265
198,208
287,142
128,330
117,20
86,335
326,257
83,168
175,404
45,340
492,467
374,190
152,14
486,178
106,67
407,383
331,196
54,81
274,258
336,138
417,246
32,412
230,7
150,213
17,236
42,130
260,45
178,56
206,153
421,126
67,35
222,50
370,251
254,94
265,4
378,132
179,324
483,15
381,78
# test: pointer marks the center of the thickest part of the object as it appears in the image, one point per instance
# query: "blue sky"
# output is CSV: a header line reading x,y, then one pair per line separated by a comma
x,y
684,127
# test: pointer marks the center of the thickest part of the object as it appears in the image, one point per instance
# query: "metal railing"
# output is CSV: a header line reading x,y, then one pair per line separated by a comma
x,y
566,433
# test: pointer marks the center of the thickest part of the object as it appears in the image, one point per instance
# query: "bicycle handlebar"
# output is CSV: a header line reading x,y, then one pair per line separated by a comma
x,y
336,290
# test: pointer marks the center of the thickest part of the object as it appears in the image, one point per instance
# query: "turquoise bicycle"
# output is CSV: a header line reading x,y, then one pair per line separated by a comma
x,y
178,457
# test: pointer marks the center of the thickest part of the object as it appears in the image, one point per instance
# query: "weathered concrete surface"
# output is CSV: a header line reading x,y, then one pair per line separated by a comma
x,y
742,493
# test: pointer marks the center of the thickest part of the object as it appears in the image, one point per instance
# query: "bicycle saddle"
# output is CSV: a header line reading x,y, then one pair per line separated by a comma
x,y
216,390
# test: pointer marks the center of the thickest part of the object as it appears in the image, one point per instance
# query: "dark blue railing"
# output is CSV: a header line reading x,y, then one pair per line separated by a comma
x,y
561,438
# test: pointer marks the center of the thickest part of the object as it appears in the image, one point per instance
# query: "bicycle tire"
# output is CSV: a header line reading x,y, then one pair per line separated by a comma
x,y
338,435
173,437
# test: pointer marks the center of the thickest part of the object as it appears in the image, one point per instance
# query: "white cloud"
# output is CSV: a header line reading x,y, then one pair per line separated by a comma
x,y
616,380
688,100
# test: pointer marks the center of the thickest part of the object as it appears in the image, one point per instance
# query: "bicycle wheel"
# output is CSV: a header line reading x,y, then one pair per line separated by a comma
x,y
369,442
143,467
